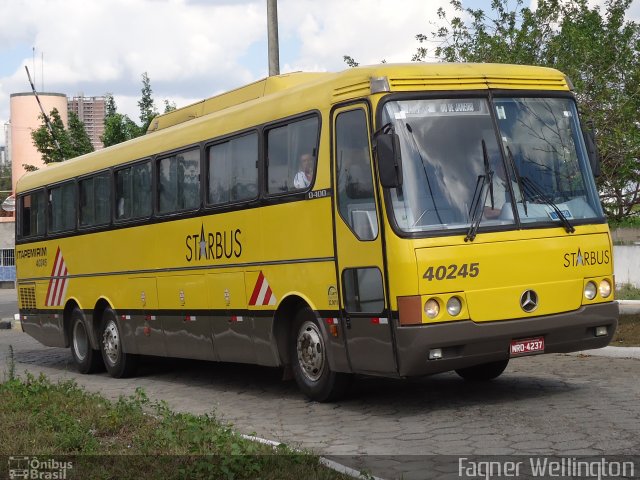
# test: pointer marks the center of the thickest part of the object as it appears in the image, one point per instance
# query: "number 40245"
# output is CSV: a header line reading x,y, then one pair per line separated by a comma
x,y
453,271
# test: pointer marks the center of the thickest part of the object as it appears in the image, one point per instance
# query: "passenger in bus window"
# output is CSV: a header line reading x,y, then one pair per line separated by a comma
x,y
305,175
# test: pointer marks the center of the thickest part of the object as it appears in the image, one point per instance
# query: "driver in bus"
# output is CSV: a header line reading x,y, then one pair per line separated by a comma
x,y
305,175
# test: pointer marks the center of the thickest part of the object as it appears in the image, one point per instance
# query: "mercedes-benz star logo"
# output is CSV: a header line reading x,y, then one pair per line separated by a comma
x,y
529,301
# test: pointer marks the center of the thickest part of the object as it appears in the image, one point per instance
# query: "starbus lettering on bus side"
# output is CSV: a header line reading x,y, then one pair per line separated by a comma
x,y
213,245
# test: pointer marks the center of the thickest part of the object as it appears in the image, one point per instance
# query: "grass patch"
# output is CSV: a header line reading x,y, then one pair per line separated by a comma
x,y
626,291
108,439
628,332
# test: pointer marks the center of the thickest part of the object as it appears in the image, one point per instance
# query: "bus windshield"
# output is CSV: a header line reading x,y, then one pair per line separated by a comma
x,y
456,172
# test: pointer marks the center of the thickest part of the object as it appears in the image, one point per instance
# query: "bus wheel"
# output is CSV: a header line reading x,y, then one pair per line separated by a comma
x,y
87,359
119,364
309,361
483,372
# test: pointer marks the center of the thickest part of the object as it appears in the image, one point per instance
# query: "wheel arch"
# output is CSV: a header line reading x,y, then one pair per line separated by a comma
x,y
101,305
283,322
69,306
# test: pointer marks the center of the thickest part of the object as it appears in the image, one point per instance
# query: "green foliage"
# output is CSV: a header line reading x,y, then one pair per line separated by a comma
x,y
5,182
599,51
147,106
71,142
79,140
630,221
42,418
118,128
350,61
626,291
169,106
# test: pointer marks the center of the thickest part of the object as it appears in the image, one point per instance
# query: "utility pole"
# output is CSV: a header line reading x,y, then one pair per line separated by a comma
x,y
272,30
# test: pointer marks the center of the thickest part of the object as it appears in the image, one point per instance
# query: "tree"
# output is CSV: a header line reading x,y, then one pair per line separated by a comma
x,y
118,127
72,142
79,141
350,61
147,106
169,106
600,53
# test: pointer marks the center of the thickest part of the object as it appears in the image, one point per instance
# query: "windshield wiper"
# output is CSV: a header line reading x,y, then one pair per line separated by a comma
x,y
478,201
535,191
426,174
518,180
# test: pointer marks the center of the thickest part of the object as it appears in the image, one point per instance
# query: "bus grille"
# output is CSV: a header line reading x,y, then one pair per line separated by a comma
x,y
27,297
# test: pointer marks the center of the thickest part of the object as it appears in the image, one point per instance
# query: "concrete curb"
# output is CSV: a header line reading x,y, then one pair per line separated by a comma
x,y
333,465
629,307
611,352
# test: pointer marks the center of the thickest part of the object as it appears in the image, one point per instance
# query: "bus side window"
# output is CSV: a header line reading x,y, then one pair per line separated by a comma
x,y
62,203
123,193
286,147
356,200
32,211
233,170
179,182
363,290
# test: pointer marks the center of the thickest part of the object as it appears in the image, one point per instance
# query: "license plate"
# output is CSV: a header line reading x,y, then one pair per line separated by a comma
x,y
529,346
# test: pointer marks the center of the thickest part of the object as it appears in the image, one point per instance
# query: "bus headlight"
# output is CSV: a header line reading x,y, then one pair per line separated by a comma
x,y
604,288
431,308
454,305
590,291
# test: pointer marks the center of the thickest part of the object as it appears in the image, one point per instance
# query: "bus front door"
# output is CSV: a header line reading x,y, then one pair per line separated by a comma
x,y
366,322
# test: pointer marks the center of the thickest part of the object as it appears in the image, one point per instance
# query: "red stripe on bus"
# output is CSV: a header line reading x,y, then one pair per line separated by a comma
x,y
267,296
57,291
53,271
256,289
63,284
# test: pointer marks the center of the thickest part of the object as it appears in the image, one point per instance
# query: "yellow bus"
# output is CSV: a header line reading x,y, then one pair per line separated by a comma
x,y
392,220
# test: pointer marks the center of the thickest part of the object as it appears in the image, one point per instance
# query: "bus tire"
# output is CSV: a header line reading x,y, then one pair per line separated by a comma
x,y
483,372
119,364
87,359
310,365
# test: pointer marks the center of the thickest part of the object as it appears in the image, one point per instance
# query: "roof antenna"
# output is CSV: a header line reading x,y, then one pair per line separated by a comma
x,y
44,115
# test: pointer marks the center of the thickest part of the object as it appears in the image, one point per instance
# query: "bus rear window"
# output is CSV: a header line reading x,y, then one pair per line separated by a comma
x,y
31,216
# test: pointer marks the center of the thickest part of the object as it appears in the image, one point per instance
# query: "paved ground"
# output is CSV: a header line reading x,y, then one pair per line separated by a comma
x,y
550,405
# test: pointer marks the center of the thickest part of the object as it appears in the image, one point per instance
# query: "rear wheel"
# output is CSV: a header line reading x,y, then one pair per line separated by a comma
x,y
86,359
483,372
119,364
309,360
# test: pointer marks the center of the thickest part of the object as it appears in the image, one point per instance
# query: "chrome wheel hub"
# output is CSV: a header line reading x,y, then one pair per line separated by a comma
x,y
310,349
111,342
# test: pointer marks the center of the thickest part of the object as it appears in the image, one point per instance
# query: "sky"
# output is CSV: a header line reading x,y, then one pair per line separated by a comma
x,y
194,49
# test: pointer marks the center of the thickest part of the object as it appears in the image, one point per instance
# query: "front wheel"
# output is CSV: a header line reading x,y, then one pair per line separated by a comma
x,y
483,372
86,358
119,364
309,360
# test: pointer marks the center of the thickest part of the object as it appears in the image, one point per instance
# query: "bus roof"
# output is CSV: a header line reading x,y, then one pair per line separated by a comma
x,y
294,93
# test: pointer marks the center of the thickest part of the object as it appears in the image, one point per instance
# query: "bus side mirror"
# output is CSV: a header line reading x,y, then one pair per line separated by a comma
x,y
592,151
389,160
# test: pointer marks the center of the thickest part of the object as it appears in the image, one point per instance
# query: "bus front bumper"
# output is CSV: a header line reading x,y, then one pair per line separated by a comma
x,y
466,343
